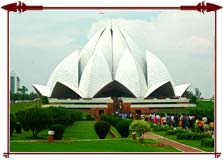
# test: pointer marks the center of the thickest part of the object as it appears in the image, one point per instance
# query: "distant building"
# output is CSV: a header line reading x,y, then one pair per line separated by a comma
x,y
14,83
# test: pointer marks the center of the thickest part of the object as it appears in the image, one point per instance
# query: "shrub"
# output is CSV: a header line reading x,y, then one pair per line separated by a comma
x,y
207,142
89,117
102,128
44,100
177,131
139,126
123,127
170,132
12,123
63,116
161,128
193,136
18,127
183,136
111,119
58,130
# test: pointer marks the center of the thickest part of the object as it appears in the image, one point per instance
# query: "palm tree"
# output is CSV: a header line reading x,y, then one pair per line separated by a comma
x,y
23,90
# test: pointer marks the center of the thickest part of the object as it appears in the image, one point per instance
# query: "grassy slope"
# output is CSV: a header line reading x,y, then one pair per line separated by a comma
x,y
125,145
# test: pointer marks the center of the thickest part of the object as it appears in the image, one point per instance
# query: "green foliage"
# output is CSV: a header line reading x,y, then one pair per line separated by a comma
x,y
58,131
64,116
207,142
44,100
36,119
89,117
160,128
12,123
20,115
192,136
123,127
111,119
102,128
139,126
18,127
204,108
193,100
177,131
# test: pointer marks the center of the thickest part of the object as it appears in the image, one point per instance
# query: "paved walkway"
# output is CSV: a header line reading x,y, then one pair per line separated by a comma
x,y
177,145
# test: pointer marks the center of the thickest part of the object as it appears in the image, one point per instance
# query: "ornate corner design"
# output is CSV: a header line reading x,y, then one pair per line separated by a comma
x,y
20,6
6,155
202,7
217,155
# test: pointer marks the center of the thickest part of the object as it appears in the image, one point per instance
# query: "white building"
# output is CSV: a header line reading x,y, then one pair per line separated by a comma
x,y
110,64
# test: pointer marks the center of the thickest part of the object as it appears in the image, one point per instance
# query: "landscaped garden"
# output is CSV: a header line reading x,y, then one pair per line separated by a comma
x,y
77,132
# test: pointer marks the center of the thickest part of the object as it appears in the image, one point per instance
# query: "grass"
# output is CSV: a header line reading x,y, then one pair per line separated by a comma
x,y
114,145
14,108
192,143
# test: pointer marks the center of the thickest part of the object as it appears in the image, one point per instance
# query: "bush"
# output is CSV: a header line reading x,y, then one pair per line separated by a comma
x,y
102,128
89,117
111,119
192,136
183,136
18,127
207,142
139,126
44,100
64,116
123,127
161,128
174,132
58,131
12,123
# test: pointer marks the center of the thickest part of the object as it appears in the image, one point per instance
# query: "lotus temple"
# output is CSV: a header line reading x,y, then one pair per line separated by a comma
x,y
109,66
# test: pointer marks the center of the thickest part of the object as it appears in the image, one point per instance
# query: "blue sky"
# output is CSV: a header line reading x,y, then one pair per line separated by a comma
x,y
182,40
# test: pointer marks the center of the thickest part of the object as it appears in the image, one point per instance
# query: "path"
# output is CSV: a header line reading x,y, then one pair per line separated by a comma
x,y
177,145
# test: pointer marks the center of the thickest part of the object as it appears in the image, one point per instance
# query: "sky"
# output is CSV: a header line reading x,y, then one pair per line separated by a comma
x,y
183,41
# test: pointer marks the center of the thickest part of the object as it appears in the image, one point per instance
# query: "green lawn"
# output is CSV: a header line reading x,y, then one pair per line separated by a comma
x,y
81,137
23,105
94,145
84,130
192,143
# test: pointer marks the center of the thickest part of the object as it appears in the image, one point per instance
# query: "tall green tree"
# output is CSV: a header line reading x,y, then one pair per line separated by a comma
x,y
23,90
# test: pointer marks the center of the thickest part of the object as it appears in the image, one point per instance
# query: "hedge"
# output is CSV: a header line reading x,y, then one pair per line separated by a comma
x,y
58,131
207,142
192,136
12,123
161,128
123,127
102,128
111,119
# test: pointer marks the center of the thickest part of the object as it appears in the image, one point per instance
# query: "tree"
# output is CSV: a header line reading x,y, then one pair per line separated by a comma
x,y
188,94
140,127
197,93
37,119
12,123
23,90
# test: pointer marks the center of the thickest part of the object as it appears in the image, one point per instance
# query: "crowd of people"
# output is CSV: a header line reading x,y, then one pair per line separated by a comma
x,y
173,120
